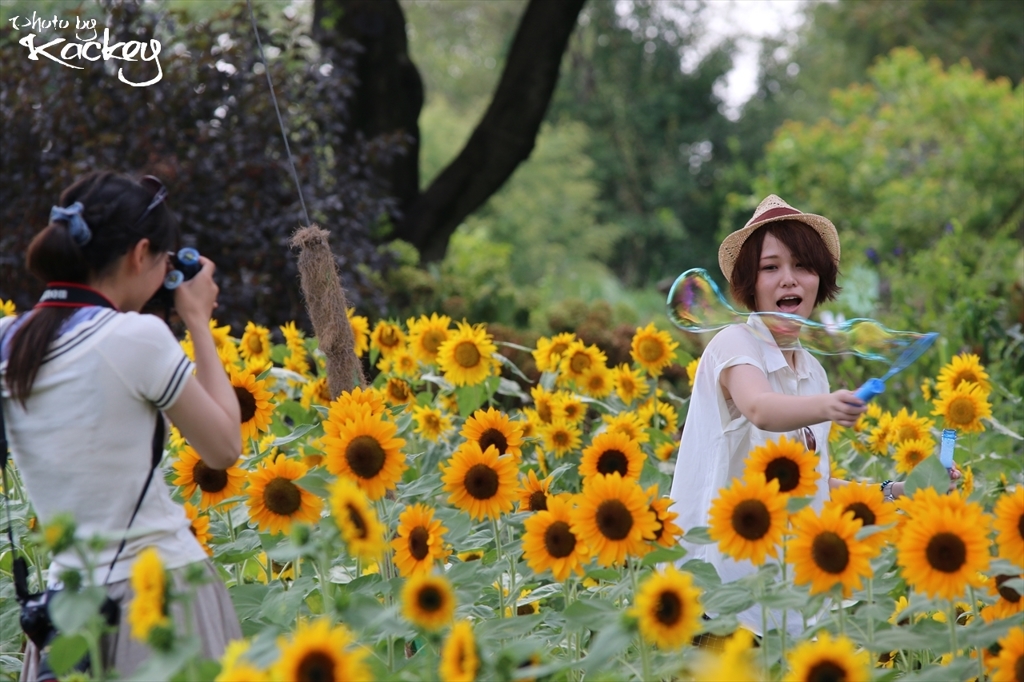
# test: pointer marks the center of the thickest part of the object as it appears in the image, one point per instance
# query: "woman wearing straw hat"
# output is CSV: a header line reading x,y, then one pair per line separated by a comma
x,y
756,383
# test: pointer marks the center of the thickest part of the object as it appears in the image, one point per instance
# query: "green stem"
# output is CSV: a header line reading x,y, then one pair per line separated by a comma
x,y
785,611
96,666
842,612
977,649
645,658
871,620
501,582
952,626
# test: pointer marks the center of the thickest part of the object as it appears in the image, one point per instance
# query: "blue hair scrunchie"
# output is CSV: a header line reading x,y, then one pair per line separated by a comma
x,y
77,227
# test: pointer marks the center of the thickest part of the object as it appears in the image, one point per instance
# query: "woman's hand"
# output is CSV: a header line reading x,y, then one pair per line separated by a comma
x,y
196,298
843,407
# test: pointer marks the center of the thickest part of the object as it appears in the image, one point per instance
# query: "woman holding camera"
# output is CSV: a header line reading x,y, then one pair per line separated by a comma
x,y
85,379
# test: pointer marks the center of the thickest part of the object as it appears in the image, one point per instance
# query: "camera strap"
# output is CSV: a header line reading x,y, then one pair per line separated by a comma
x,y
71,295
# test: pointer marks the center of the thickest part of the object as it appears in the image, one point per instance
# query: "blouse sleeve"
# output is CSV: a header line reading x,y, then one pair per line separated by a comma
x,y
733,346
149,360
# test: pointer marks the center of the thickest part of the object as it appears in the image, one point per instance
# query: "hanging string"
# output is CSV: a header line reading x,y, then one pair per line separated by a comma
x,y
280,121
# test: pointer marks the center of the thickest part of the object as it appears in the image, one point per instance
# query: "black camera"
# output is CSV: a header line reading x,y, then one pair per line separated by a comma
x,y
38,627
186,265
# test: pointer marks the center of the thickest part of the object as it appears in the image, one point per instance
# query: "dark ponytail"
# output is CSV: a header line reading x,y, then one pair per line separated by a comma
x,y
112,207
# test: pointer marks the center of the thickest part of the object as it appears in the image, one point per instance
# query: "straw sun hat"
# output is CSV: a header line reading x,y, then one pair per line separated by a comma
x,y
771,210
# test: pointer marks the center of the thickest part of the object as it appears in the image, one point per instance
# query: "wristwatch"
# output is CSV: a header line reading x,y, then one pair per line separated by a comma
x,y
887,491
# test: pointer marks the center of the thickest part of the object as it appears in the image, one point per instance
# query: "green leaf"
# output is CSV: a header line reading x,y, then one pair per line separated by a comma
x,y
248,599
609,643
244,547
66,651
698,535
664,555
957,669
299,432
317,482
161,666
470,398
729,598
70,611
607,574
795,504
928,474
590,613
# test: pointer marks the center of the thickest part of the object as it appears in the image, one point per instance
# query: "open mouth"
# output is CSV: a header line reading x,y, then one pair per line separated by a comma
x,y
789,304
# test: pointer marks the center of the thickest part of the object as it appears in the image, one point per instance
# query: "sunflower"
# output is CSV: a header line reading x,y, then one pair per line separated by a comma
x,y
561,437
400,363
550,543
360,332
1009,666
459,660
668,532
491,427
927,385
7,308
878,438
255,343
568,407
533,492
665,451
867,505
550,351
1009,525
691,371
628,423
419,542
908,426
148,608
254,401
613,517
431,423
426,335
579,359
597,382
298,362
467,357
612,453
293,337
428,601
216,485
910,453
544,401
318,651
227,351
629,384
234,667
316,391
398,392
356,520
828,659
963,407
1009,601
387,338
657,414
825,552
275,502
668,609
944,545
350,404
748,518
965,367
788,462
366,450
480,482
652,349
199,524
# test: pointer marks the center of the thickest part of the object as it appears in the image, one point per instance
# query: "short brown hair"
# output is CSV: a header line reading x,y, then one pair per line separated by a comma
x,y
805,244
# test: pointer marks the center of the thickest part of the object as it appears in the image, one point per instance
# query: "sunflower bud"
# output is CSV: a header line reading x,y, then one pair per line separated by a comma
x,y
71,579
59,533
300,534
161,637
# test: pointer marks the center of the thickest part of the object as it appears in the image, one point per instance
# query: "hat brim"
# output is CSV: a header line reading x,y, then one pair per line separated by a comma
x,y
729,251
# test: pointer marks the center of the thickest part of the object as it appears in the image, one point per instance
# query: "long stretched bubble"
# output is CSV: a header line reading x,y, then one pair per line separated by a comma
x,y
695,304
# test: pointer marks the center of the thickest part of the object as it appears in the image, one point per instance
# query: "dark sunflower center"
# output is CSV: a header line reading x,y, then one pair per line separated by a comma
x,y
830,552
650,350
481,481
558,348
323,392
1020,525
538,500
209,480
316,666
365,456
432,340
827,671
571,411
580,363
946,552
961,411
431,422
661,526
355,516
467,354
786,471
246,402
559,540
907,432
1018,669
544,412
560,438
1007,593
669,609
613,519
751,520
496,438
192,527
255,345
389,337
611,461
430,599
418,547
526,609
281,496
862,512
399,389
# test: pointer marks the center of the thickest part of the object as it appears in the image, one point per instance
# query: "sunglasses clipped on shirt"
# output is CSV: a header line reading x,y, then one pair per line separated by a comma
x,y
809,442
159,194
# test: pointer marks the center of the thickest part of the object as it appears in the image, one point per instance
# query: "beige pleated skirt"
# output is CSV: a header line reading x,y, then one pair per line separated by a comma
x,y
213,620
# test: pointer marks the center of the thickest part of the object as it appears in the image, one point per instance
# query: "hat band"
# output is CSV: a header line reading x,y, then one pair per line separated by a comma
x,y
774,213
